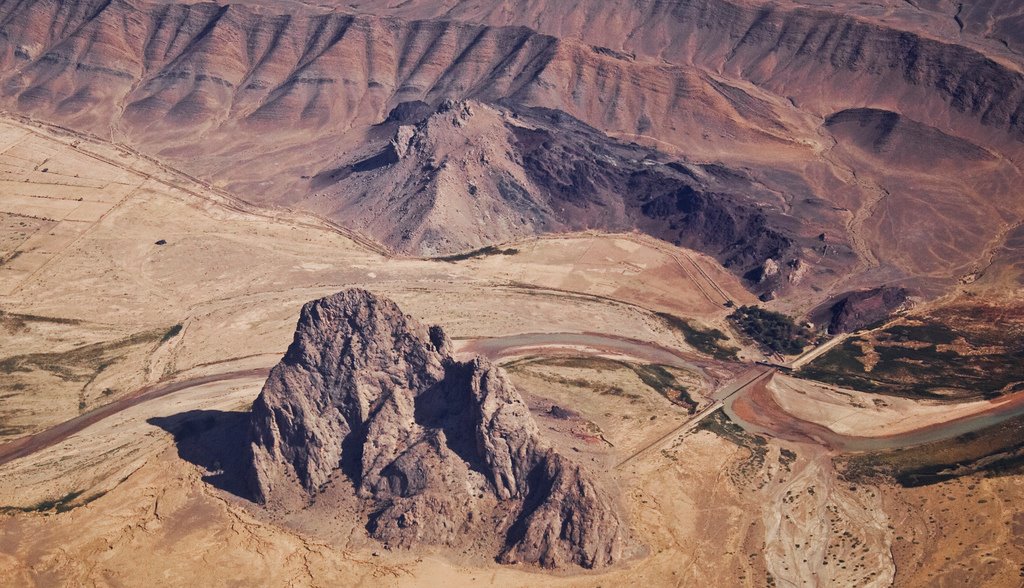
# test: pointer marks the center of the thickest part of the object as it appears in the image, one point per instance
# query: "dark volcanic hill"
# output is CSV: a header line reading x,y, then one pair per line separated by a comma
x,y
440,451
468,174
828,119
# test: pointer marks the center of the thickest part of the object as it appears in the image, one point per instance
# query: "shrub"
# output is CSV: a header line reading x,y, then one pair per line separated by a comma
x,y
775,331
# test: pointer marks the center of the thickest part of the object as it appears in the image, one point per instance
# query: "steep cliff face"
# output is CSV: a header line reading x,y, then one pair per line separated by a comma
x,y
857,310
435,448
353,357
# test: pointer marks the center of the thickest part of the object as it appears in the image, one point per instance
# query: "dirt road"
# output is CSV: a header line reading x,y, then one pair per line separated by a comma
x,y
726,392
496,348
33,443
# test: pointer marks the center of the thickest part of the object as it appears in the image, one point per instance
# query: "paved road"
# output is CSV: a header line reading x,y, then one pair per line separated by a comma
x,y
50,437
724,393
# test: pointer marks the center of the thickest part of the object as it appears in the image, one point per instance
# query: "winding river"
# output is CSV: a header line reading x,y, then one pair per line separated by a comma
x,y
1000,410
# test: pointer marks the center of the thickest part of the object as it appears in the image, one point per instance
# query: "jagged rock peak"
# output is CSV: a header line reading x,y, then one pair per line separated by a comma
x,y
352,352
437,449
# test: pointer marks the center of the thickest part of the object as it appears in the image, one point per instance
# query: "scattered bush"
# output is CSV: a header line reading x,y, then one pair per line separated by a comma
x,y
705,341
482,252
171,333
772,330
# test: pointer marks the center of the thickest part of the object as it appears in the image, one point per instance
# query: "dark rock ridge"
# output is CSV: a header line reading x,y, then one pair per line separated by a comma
x,y
585,175
901,141
536,170
438,450
860,309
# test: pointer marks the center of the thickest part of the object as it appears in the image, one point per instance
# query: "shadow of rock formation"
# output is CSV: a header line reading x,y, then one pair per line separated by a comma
x,y
216,441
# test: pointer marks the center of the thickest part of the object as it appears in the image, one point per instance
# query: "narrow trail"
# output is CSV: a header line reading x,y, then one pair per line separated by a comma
x,y
855,227
867,260
496,348
703,281
710,280
70,244
675,254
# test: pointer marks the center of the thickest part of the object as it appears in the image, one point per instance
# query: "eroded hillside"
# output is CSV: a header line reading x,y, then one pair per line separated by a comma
x,y
268,99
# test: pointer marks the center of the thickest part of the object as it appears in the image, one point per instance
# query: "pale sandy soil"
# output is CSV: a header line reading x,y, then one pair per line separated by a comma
x,y
100,457
966,532
862,414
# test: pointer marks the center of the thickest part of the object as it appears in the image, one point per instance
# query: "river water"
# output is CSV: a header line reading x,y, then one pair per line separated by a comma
x,y
998,413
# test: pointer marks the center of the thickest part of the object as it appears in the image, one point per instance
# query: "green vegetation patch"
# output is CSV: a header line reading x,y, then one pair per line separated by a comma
x,y
772,330
482,252
718,423
661,380
7,430
993,451
707,341
927,357
63,504
13,321
655,376
80,364
787,458
9,258
171,333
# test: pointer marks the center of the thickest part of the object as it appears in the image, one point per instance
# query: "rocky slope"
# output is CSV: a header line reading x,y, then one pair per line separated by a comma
x,y
857,310
436,449
468,174
287,104
825,55
203,66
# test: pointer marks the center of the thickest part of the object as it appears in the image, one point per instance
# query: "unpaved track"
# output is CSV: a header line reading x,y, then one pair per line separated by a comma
x,y
496,348
818,351
39,441
675,255
30,444
700,416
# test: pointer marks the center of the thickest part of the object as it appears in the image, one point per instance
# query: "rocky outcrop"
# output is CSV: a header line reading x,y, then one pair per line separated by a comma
x,y
860,309
595,182
438,450
565,519
352,365
471,174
